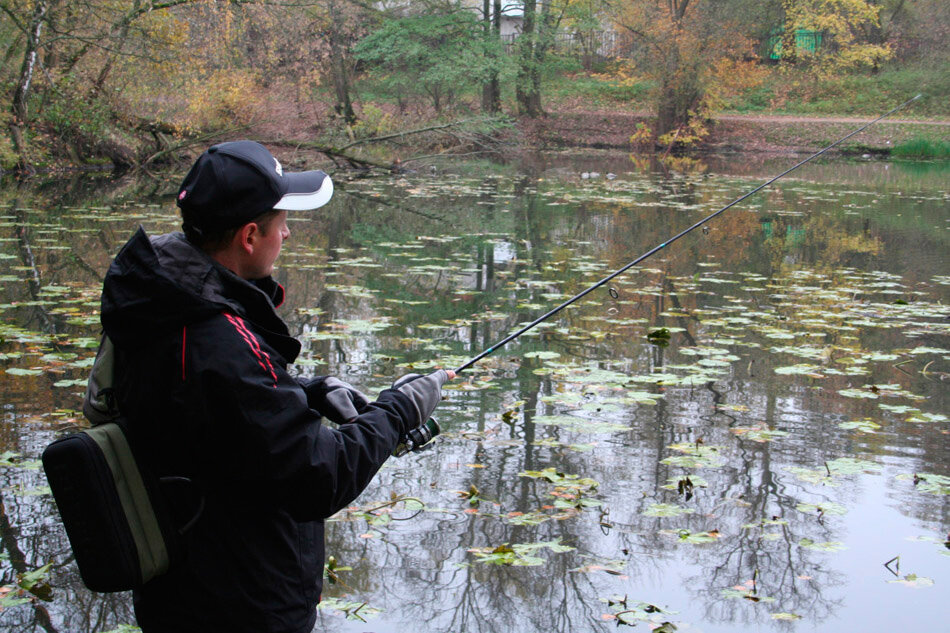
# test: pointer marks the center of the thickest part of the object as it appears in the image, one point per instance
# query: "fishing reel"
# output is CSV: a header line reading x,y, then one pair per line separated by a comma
x,y
418,439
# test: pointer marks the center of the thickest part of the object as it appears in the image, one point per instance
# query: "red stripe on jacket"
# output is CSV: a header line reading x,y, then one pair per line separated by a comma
x,y
263,359
184,332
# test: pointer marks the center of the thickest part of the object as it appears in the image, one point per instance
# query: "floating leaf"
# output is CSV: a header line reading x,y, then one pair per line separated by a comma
x,y
805,370
757,433
858,393
695,538
20,371
352,609
696,456
927,417
828,507
518,554
827,546
786,616
913,580
864,426
929,483
666,510
542,355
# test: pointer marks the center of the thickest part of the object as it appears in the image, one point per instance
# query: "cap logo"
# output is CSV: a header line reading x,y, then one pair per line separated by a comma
x,y
280,170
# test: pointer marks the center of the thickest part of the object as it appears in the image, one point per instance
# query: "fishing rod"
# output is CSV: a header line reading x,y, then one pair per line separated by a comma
x,y
655,249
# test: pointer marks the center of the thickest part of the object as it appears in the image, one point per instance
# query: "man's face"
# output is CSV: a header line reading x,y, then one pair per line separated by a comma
x,y
267,243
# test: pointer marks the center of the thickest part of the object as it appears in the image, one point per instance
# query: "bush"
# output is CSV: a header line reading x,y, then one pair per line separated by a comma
x,y
922,148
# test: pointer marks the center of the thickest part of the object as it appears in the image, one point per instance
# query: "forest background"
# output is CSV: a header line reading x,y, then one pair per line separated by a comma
x,y
134,83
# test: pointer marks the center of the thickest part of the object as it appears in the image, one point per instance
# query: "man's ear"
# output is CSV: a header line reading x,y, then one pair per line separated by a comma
x,y
246,237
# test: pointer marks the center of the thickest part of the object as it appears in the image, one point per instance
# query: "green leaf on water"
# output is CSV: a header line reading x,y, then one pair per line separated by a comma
x,y
858,393
827,546
666,510
694,538
828,507
20,371
757,433
353,610
518,555
529,518
582,425
801,369
745,593
864,426
696,456
125,628
928,483
542,355
899,408
786,616
913,580
927,417
70,383
558,478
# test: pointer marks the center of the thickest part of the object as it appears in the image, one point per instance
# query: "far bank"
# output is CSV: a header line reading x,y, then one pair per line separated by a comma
x,y
737,133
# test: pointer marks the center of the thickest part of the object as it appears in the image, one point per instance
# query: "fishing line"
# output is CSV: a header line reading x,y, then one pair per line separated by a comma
x,y
660,247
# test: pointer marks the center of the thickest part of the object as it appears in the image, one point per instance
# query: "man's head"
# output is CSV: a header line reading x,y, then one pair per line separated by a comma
x,y
234,204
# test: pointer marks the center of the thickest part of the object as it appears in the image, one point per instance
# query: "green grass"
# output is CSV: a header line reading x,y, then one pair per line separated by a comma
x,y
922,148
856,94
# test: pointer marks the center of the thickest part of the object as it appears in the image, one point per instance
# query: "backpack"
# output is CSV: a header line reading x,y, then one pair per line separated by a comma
x,y
113,509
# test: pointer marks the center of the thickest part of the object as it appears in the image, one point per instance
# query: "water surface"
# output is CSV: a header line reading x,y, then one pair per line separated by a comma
x,y
750,466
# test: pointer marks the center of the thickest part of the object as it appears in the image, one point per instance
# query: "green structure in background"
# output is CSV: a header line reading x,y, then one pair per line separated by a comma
x,y
805,41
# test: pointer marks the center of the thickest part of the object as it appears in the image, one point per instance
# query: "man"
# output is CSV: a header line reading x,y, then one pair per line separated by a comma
x,y
201,358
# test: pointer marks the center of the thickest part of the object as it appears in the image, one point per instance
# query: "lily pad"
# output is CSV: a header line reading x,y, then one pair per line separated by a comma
x,y
666,510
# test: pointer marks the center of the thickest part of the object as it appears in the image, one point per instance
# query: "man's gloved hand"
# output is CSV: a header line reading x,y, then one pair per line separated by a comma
x,y
336,400
424,391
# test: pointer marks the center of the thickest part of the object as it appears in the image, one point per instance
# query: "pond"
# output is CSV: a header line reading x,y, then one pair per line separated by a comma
x,y
747,432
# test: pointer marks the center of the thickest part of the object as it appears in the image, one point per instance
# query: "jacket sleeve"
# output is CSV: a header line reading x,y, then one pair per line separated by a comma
x,y
262,434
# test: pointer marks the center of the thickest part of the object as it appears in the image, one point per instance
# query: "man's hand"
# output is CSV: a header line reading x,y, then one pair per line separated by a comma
x,y
424,391
336,400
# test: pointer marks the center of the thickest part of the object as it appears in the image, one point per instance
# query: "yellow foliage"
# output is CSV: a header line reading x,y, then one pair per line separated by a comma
x,y
643,135
223,98
373,122
732,77
839,21
691,133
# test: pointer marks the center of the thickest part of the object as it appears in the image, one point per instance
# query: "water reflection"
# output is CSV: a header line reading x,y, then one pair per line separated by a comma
x,y
794,322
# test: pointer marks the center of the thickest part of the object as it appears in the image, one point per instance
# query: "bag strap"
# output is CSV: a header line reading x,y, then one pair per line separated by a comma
x,y
100,404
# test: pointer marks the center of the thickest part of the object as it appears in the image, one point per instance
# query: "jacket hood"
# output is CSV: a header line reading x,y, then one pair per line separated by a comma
x,y
160,284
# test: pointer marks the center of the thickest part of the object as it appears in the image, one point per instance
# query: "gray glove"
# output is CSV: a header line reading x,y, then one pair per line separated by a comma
x,y
336,400
425,392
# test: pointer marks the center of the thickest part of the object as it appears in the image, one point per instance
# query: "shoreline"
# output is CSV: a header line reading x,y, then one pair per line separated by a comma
x,y
777,134
765,134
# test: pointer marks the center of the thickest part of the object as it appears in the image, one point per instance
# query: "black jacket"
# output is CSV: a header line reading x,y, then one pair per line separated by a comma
x,y
201,378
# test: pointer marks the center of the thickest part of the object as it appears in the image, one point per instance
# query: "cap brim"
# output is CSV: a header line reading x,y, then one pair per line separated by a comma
x,y
306,190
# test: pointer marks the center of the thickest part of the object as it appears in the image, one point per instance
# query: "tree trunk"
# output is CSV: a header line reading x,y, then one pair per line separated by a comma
x,y
338,70
491,90
21,93
527,88
789,46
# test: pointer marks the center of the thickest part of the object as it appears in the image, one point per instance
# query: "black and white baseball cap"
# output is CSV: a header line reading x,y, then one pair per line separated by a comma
x,y
232,183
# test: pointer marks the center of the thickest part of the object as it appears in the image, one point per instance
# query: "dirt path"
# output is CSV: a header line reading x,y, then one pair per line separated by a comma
x,y
781,118
733,132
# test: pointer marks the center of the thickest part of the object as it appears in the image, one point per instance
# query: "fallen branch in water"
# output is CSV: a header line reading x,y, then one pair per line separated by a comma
x,y
462,133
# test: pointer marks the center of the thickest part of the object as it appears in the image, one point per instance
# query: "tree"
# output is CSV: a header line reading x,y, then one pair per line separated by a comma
x,y
435,54
74,47
844,25
491,88
533,44
680,45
